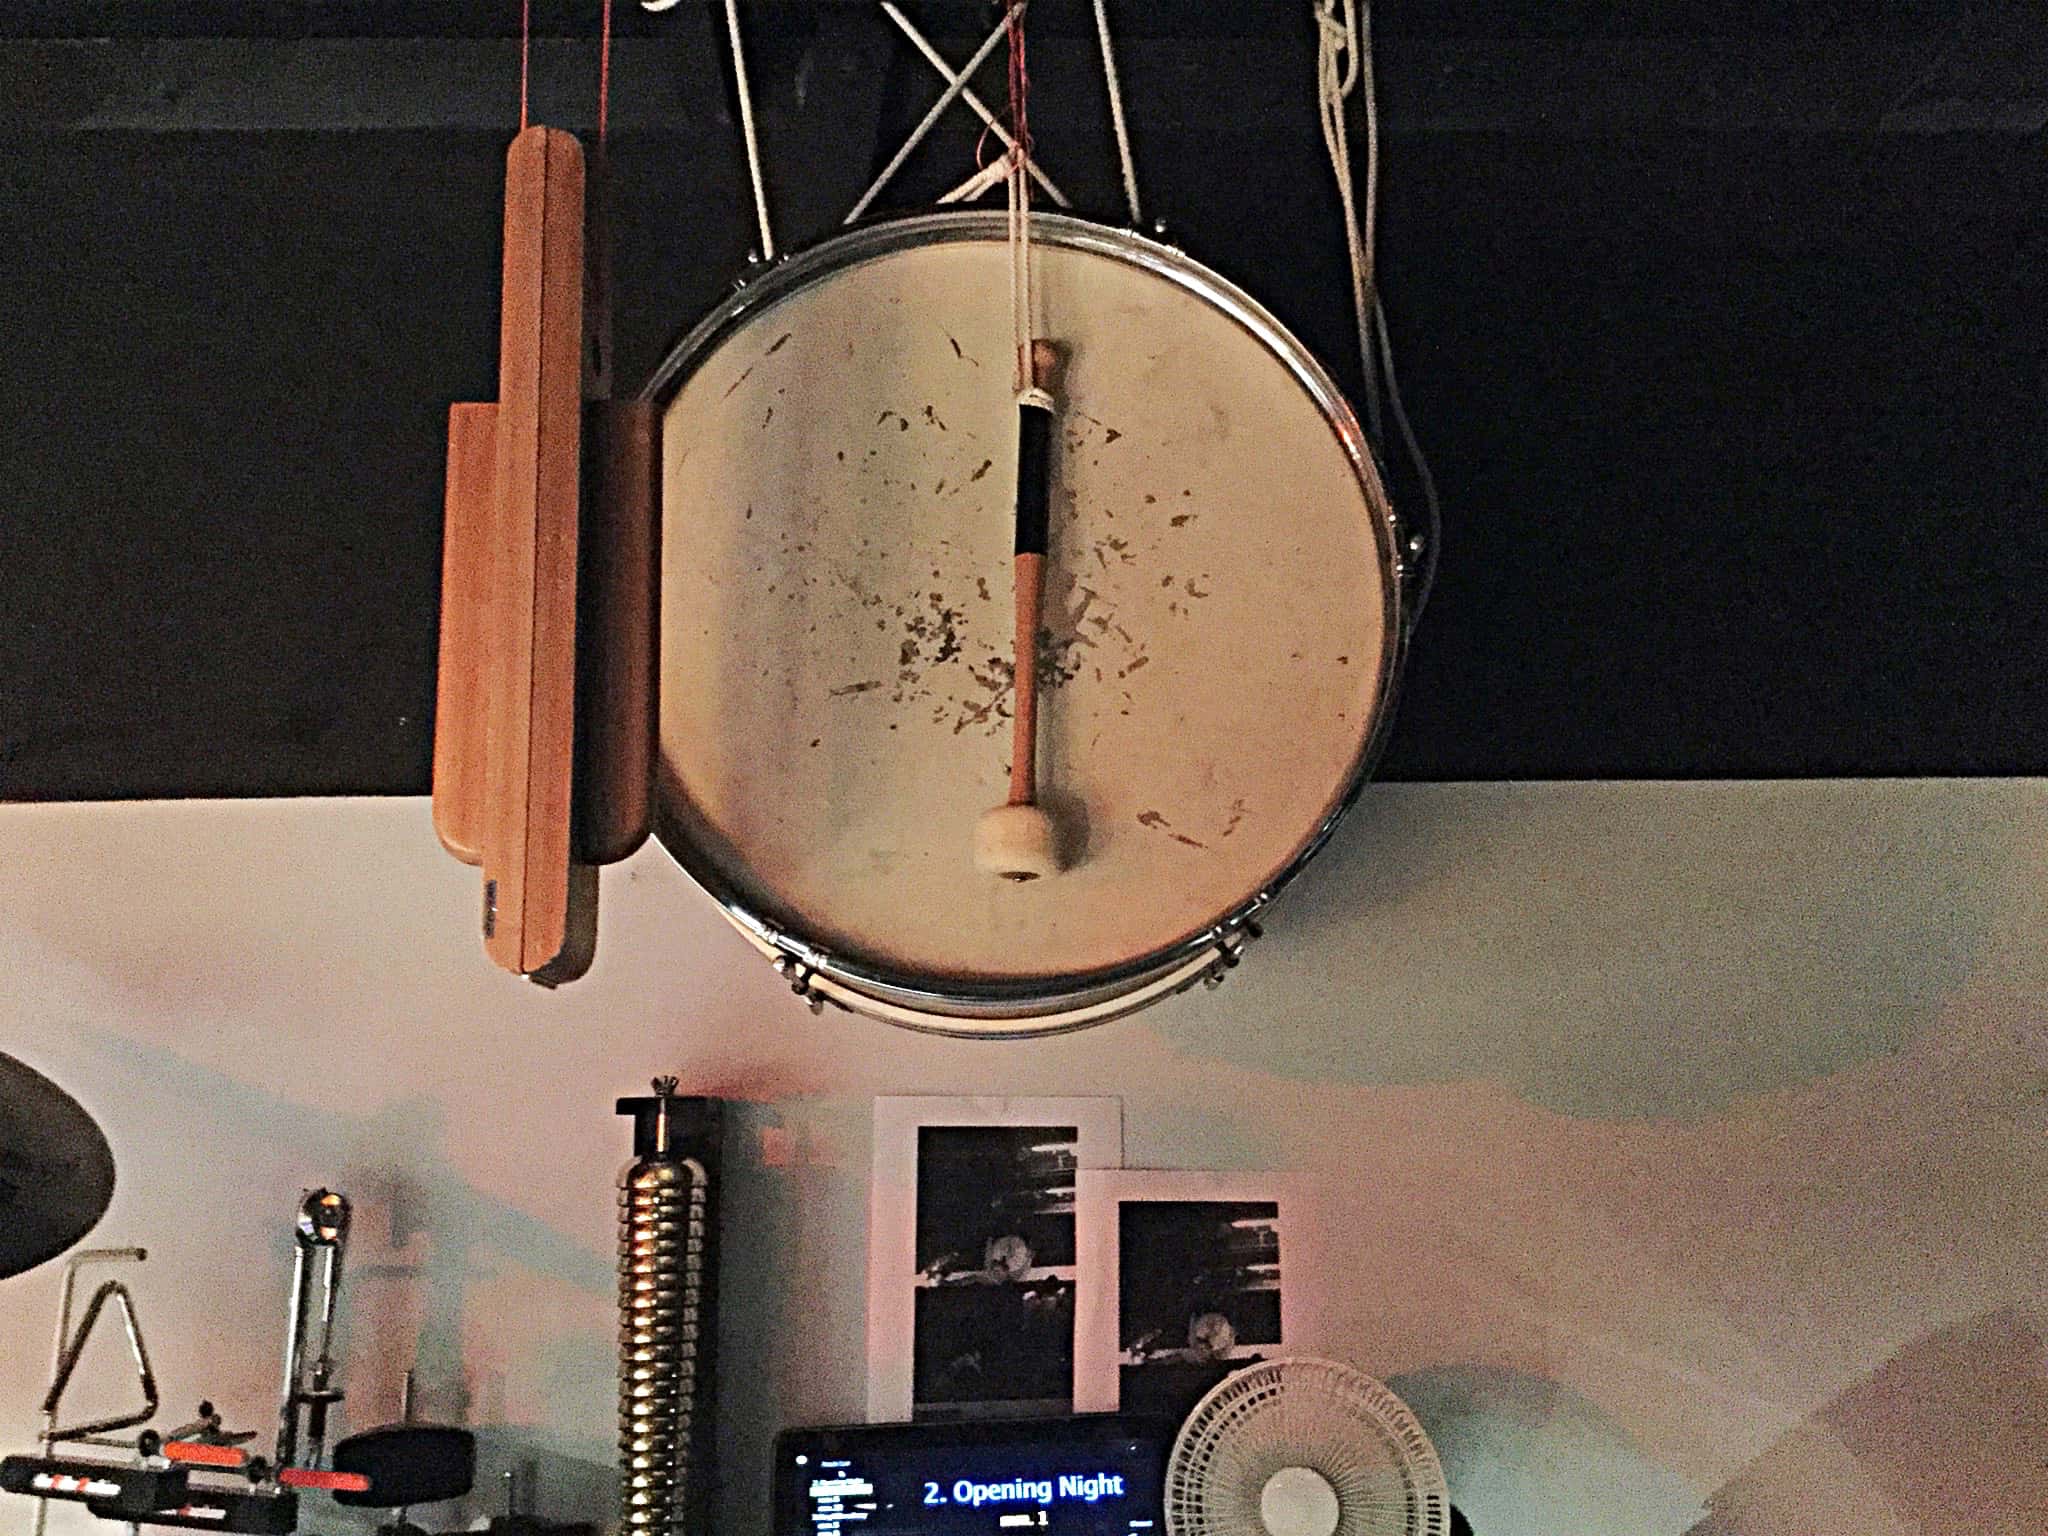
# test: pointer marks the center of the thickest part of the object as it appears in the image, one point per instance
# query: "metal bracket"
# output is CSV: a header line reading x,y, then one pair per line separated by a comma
x,y
1230,949
799,975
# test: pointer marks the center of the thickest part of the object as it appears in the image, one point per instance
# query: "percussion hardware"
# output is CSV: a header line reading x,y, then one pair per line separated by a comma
x,y
320,1237
801,978
1230,949
204,1453
667,1311
67,1362
206,1430
128,1491
198,1476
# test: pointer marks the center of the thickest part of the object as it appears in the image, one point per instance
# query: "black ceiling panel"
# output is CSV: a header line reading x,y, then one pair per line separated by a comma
x,y
1738,397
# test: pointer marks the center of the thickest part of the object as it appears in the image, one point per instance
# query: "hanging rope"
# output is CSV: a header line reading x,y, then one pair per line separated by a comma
x,y
604,75
1116,113
1020,207
525,55
1344,65
739,74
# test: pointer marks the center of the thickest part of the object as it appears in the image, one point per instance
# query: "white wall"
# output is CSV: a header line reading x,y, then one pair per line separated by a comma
x,y
1676,1128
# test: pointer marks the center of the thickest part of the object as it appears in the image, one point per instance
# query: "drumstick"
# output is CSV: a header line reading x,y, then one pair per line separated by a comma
x,y
1016,839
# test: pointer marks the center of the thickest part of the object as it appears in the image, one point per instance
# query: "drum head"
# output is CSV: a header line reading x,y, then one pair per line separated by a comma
x,y
1221,625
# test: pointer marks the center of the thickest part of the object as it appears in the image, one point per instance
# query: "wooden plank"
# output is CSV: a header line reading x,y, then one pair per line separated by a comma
x,y
616,665
460,686
531,723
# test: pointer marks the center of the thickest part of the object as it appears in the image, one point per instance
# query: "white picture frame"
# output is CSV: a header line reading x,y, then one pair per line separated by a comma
x,y
929,1153
1253,1297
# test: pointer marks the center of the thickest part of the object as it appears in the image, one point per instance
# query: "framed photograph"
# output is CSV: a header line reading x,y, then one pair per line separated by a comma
x,y
973,1279
1194,1275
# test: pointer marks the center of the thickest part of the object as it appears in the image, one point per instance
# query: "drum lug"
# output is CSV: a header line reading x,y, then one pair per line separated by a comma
x,y
799,975
1229,951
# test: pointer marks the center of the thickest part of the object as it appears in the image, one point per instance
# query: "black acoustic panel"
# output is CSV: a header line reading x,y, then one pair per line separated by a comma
x,y
1742,437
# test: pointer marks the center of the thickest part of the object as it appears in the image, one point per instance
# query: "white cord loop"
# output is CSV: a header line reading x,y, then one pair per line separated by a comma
x,y
1344,64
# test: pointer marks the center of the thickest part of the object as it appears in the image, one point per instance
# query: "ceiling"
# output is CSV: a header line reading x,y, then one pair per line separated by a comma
x,y
1722,330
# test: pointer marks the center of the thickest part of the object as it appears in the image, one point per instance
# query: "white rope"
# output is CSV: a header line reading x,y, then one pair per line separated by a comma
x,y
1020,268
951,94
980,109
739,71
1344,64
1116,113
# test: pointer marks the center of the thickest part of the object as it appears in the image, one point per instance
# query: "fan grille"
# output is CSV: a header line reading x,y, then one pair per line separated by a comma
x,y
1319,1414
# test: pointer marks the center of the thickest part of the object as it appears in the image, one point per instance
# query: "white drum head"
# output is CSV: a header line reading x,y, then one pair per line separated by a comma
x,y
1222,612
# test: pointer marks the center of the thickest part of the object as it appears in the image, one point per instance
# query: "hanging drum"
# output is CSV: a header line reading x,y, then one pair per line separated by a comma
x,y
1217,655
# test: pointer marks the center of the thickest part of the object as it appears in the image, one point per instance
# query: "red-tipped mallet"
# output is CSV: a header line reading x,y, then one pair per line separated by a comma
x,y
1016,839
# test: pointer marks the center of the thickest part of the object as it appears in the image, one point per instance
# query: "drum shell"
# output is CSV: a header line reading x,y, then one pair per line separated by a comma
x,y
996,1005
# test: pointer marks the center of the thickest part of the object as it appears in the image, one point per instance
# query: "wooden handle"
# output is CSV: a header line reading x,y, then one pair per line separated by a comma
x,y
1030,577
468,548
1034,491
530,726
1034,471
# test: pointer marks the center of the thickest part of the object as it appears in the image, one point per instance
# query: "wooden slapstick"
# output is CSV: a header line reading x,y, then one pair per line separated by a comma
x,y
1017,839
543,736
530,650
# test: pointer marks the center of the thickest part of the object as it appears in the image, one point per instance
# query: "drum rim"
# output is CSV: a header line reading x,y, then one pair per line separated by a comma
x,y
1033,1005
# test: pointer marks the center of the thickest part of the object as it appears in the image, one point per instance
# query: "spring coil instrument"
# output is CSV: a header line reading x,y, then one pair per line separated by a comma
x,y
667,1286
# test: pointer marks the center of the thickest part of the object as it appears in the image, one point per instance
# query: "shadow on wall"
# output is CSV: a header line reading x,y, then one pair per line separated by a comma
x,y
1525,1456
1621,950
770,1213
1948,1438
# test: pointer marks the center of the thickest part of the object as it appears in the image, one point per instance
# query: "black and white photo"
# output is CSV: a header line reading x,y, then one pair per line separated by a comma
x,y
1200,1274
995,1271
973,1279
1198,1295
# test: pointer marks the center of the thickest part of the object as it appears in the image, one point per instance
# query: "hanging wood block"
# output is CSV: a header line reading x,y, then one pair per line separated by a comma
x,y
530,645
460,693
616,651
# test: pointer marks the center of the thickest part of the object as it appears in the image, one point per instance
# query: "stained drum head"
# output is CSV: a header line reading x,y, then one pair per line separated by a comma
x,y
1222,616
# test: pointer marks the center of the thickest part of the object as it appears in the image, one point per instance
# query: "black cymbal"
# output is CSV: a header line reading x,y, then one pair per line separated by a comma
x,y
56,1170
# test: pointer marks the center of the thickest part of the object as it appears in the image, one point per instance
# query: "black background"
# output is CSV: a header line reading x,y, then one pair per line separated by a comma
x,y
1724,331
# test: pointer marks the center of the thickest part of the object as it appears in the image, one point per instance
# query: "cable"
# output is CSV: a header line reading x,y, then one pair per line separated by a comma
x,y
1344,64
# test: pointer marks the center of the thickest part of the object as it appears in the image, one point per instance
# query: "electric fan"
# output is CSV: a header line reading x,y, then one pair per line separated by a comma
x,y
1304,1447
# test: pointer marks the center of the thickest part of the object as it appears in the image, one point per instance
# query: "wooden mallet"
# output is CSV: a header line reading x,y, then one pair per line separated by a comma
x,y
1017,838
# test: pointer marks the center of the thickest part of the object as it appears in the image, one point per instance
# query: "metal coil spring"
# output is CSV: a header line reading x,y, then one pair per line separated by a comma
x,y
663,1249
